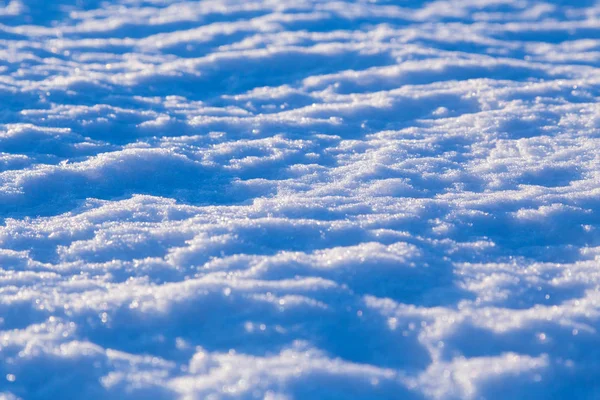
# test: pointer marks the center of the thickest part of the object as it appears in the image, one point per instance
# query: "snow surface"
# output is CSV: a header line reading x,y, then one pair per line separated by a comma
x,y
300,199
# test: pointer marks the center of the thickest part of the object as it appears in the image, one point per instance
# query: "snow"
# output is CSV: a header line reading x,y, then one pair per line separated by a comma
x,y
299,199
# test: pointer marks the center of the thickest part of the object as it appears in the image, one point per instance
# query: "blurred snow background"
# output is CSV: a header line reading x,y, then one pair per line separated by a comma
x,y
299,199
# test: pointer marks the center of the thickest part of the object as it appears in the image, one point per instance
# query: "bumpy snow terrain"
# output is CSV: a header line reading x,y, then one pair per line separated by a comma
x,y
300,199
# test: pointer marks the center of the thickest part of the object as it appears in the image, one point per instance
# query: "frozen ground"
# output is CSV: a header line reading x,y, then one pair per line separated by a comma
x,y
300,199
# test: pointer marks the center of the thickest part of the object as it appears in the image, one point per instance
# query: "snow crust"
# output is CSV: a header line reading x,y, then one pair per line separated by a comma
x,y
299,199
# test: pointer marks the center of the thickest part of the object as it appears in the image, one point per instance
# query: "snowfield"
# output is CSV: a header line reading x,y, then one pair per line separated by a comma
x,y
299,199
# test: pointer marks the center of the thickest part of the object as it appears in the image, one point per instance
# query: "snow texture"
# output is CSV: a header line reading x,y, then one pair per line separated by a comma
x,y
300,199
